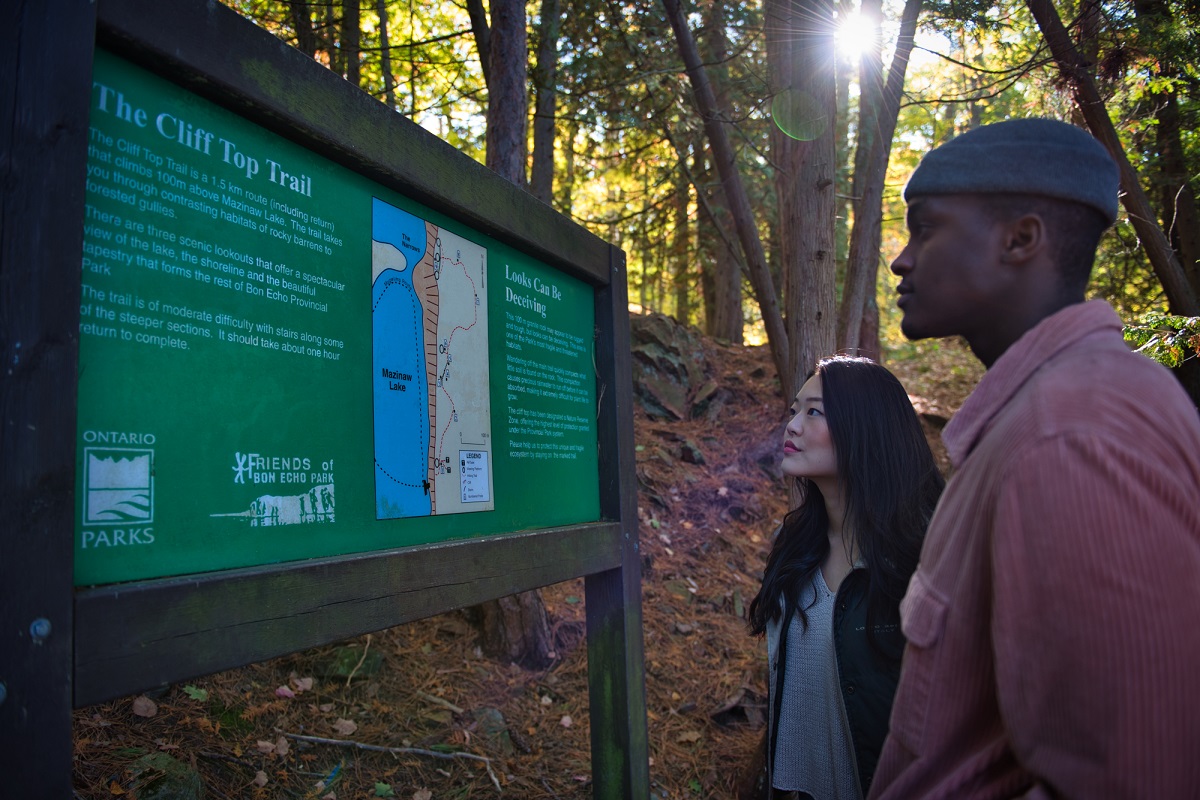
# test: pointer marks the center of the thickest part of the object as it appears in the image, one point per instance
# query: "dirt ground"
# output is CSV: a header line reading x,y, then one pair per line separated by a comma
x,y
459,725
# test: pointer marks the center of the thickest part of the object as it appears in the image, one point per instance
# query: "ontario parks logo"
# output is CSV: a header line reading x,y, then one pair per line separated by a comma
x,y
118,484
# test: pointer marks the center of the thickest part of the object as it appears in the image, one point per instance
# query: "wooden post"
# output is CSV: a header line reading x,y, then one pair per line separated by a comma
x,y
616,676
47,54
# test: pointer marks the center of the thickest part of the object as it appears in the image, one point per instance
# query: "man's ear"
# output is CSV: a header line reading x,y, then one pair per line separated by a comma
x,y
1025,237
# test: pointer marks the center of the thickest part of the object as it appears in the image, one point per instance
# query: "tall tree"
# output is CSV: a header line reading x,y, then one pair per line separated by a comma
x,y
723,272
735,193
800,55
545,78
879,108
385,55
1181,294
515,627
352,40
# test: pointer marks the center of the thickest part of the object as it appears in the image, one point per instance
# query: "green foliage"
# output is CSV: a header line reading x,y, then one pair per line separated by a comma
x,y
631,151
196,693
1168,339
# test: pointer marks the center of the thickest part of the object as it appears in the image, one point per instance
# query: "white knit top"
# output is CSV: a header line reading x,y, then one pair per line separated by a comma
x,y
814,752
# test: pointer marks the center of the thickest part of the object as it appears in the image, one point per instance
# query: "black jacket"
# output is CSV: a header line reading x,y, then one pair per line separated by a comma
x,y
868,670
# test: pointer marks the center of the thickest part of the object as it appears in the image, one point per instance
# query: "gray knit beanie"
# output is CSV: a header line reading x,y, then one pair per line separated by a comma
x,y
1022,156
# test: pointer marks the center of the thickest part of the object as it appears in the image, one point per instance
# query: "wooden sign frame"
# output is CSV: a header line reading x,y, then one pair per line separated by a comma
x,y
63,648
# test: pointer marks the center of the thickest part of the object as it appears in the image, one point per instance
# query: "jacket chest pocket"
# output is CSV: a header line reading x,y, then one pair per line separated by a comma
x,y
923,620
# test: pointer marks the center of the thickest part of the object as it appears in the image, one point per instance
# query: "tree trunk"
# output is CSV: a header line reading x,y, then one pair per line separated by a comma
x,y
723,309
508,105
385,55
1177,200
483,37
1181,294
545,78
351,44
306,37
735,193
513,628
681,249
879,108
800,61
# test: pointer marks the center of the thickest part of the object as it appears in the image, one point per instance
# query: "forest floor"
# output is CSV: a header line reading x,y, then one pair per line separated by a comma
x,y
485,729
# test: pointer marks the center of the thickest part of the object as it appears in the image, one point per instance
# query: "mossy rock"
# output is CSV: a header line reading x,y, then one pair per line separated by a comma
x,y
157,776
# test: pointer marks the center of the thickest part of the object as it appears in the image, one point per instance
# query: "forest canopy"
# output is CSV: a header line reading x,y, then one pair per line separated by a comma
x,y
749,157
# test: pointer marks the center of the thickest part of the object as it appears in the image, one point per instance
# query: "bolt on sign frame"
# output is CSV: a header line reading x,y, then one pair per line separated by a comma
x,y
281,368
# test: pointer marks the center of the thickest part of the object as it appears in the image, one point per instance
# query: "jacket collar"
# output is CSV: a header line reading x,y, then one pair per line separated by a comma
x,y
1017,365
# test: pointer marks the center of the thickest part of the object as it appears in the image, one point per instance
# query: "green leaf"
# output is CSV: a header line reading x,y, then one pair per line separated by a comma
x,y
572,599
383,790
196,693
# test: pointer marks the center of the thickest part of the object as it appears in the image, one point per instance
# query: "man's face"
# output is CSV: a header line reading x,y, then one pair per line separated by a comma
x,y
952,280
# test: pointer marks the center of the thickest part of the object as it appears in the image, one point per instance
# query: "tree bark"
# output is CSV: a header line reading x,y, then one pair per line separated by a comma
x,y
800,61
545,78
723,286
735,193
508,105
879,108
1181,295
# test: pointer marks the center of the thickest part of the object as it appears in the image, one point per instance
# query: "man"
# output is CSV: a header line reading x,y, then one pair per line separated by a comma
x,y
1053,624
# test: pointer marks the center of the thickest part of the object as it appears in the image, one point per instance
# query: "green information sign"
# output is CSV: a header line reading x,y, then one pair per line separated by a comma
x,y
280,359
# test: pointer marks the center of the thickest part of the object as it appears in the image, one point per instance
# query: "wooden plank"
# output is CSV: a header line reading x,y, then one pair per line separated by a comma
x,y
46,54
212,51
616,672
185,627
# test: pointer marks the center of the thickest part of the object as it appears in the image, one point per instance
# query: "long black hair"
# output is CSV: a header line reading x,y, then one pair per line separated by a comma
x,y
890,485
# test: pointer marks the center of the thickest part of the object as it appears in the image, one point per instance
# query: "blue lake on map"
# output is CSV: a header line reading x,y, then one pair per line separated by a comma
x,y
401,405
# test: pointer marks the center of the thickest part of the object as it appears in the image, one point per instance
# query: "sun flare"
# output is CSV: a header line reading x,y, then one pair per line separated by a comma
x,y
854,34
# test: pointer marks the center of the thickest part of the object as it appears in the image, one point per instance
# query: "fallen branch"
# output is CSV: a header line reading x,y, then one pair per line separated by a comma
x,y
441,702
487,762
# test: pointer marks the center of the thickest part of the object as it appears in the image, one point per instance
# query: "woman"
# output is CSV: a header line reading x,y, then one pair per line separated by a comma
x,y
829,603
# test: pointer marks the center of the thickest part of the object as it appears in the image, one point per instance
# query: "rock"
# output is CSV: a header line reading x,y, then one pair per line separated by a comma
x,y
493,727
157,776
669,366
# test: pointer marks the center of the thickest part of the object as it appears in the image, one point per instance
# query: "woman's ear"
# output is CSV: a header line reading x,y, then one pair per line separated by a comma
x,y
1025,238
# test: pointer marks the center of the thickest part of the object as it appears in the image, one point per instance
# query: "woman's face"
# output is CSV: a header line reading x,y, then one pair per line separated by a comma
x,y
808,450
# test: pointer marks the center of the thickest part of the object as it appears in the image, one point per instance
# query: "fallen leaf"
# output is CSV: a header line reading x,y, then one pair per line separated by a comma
x,y
144,707
422,794
688,737
115,789
282,746
196,693
260,778
265,747
302,684
565,721
546,700
284,691
344,726
325,707
383,789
